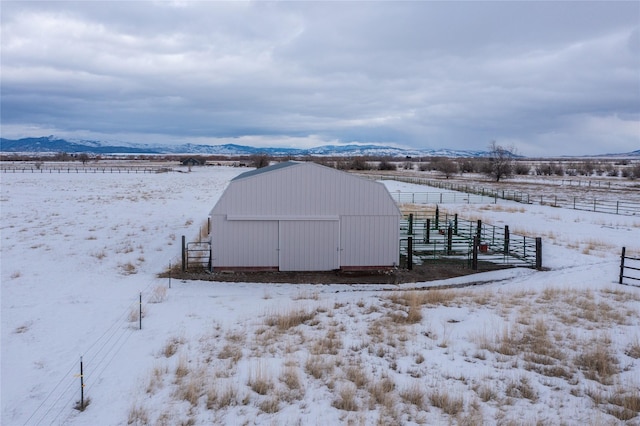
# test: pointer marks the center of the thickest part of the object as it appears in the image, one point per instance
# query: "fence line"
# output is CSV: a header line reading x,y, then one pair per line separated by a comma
x,y
76,169
477,194
98,356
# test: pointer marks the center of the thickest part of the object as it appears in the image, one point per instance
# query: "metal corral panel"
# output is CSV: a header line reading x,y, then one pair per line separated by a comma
x,y
244,243
309,245
369,241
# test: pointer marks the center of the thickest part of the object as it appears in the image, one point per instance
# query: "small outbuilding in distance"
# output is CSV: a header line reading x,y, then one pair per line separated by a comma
x,y
298,216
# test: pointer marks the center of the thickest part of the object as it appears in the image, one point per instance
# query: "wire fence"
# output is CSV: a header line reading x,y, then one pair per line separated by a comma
x,y
64,398
476,194
50,169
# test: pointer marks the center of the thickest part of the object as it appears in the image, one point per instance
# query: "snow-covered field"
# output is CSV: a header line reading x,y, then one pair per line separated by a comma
x,y
555,347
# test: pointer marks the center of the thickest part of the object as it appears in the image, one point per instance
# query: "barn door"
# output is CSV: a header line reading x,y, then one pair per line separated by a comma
x,y
309,245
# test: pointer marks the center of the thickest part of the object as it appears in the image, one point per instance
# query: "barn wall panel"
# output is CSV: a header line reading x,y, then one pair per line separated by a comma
x,y
309,245
369,240
244,243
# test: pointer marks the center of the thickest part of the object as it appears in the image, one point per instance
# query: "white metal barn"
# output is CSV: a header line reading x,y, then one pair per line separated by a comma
x,y
296,216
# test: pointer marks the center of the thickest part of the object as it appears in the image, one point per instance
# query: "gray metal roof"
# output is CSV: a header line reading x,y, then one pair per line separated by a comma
x,y
266,169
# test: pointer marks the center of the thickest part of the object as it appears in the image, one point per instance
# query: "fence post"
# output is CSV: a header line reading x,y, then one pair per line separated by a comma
x,y
474,251
410,253
209,225
479,231
140,311
455,224
427,231
210,258
622,264
184,254
169,274
410,224
449,240
506,240
81,386
538,253
437,217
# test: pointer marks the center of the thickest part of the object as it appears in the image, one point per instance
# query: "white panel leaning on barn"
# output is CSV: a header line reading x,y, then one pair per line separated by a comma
x,y
304,217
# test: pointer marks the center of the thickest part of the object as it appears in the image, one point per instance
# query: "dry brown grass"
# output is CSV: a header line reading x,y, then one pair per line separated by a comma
x,y
172,346
530,341
292,318
182,368
450,404
521,388
138,415
414,394
270,405
291,378
382,392
128,268
318,367
597,361
358,375
191,389
330,344
260,380
633,349
232,352
346,399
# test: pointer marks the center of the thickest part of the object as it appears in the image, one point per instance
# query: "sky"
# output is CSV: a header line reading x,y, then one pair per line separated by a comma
x,y
544,78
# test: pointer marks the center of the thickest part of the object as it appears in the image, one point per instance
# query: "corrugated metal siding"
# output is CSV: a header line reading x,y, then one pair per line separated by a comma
x,y
367,232
309,245
369,240
306,189
244,243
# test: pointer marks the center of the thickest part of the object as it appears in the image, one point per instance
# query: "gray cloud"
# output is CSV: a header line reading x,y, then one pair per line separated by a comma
x,y
547,77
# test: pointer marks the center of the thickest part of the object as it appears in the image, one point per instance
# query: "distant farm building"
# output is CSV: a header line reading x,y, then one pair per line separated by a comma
x,y
296,216
192,161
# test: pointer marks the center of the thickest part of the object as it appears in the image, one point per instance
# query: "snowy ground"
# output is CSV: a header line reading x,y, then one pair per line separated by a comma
x,y
528,347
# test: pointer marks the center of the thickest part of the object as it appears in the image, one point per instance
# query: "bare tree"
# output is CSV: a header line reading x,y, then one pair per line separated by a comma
x,y
501,161
447,167
83,157
260,160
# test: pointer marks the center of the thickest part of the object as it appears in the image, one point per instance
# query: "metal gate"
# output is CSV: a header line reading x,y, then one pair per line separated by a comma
x,y
197,255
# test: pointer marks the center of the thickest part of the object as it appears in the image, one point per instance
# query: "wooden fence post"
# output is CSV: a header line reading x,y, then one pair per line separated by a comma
x,y
449,240
538,253
622,264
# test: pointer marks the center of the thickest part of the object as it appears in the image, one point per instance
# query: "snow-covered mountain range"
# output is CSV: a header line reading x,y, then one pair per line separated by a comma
x,y
48,144
54,144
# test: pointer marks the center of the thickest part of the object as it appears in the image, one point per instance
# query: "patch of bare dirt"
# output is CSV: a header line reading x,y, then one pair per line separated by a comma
x,y
428,271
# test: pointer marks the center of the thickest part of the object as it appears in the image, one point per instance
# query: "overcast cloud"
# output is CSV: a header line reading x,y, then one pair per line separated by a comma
x,y
548,78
